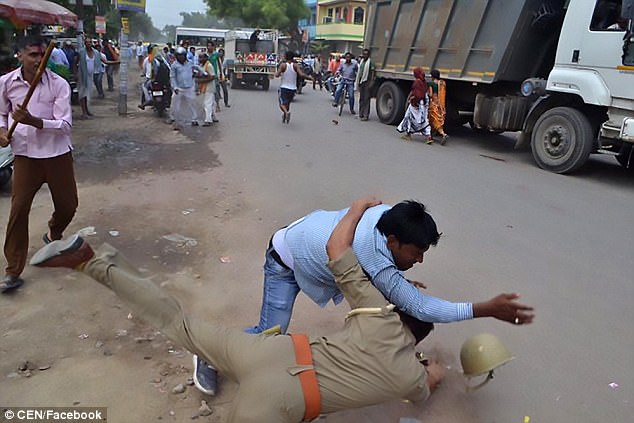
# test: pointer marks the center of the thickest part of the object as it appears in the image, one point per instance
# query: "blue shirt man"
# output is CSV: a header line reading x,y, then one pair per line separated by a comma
x,y
348,70
387,241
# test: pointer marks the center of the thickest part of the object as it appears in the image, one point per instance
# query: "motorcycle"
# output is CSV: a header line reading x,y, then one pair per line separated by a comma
x,y
6,165
161,97
301,82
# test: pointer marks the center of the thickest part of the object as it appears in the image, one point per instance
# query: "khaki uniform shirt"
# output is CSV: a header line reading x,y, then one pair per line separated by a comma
x,y
372,359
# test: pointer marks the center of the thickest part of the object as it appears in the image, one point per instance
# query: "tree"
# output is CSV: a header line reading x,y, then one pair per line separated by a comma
x,y
169,31
279,14
204,20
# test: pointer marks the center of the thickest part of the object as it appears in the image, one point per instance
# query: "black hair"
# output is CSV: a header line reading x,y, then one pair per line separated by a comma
x,y
30,41
290,55
435,73
410,223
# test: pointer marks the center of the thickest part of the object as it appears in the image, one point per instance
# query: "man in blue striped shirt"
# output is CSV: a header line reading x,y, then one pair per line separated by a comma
x,y
387,241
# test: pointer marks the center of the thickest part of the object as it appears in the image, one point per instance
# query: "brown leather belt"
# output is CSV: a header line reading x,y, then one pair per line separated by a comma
x,y
307,378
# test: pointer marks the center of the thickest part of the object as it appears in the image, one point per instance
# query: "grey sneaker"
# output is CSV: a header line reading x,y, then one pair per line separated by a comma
x,y
205,376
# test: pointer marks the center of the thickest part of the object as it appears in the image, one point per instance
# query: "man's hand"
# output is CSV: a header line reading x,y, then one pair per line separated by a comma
x,y
417,284
4,137
362,204
505,307
435,373
23,116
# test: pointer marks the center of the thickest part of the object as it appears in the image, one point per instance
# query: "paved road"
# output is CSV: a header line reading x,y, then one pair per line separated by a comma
x,y
563,242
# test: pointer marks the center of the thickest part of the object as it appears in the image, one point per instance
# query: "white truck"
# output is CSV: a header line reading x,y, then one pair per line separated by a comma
x,y
246,67
561,72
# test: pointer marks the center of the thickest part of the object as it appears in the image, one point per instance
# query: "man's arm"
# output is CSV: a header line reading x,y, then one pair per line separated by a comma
x,y
406,297
343,234
4,115
350,277
62,112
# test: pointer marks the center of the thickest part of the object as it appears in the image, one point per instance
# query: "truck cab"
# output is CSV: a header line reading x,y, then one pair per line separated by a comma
x,y
248,63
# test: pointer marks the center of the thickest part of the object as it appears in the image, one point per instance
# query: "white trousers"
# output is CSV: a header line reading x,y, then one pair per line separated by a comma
x,y
183,106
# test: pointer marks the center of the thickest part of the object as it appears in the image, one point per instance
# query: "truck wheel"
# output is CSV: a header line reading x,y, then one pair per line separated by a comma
x,y
562,140
390,103
234,80
626,158
265,84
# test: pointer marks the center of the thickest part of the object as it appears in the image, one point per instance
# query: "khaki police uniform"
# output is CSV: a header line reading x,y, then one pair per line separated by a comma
x,y
371,360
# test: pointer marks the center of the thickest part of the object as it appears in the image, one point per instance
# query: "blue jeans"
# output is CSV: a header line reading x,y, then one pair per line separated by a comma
x,y
278,297
350,87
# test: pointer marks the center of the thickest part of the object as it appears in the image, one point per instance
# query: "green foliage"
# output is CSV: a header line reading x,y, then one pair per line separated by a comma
x,y
204,20
278,14
140,23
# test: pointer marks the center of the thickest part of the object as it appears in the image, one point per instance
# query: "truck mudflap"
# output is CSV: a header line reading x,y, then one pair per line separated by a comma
x,y
505,113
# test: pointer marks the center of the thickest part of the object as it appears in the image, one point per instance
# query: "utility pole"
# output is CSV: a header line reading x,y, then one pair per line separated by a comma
x,y
125,60
79,9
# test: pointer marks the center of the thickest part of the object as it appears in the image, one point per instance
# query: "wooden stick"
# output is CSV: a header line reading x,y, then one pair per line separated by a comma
x,y
36,80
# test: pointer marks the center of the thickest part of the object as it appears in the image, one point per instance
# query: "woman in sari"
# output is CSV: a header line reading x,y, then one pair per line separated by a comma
x,y
415,119
437,92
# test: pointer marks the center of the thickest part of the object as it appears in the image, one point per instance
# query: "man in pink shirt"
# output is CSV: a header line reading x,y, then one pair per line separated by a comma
x,y
42,147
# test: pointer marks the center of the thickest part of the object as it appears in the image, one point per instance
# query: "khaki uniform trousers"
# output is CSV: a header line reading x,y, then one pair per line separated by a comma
x,y
264,366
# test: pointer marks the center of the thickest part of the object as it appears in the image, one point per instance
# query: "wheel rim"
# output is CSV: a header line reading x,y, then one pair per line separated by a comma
x,y
557,142
387,104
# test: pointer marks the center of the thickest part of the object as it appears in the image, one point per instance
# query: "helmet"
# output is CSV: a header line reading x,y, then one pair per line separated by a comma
x,y
180,50
482,354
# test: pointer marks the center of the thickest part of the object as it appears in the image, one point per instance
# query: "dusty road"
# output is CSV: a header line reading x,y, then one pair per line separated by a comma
x,y
177,204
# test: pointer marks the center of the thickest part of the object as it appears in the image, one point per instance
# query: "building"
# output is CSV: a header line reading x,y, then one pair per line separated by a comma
x,y
309,25
340,24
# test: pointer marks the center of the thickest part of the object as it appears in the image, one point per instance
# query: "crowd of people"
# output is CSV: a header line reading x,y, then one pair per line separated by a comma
x,y
195,78
358,253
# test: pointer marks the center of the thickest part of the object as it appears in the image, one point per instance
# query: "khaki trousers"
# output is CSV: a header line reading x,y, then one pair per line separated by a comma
x,y
264,366
28,177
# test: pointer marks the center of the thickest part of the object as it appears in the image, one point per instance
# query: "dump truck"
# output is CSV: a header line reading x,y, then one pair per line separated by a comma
x,y
561,72
246,67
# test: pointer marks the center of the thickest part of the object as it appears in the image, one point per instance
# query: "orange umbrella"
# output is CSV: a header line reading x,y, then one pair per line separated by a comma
x,y
26,12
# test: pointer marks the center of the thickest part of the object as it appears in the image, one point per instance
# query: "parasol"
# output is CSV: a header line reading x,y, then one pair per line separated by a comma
x,y
25,12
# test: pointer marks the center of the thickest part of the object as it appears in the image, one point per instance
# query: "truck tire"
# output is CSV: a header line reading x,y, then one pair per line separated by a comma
x,y
390,103
234,81
562,140
265,83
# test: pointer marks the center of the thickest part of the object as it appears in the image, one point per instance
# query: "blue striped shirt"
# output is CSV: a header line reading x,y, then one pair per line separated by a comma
x,y
306,241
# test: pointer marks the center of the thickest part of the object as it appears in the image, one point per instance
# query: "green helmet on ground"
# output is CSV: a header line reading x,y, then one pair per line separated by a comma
x,y
481,354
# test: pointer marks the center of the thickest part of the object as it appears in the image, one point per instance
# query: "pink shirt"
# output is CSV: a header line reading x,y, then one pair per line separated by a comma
x,y
50,102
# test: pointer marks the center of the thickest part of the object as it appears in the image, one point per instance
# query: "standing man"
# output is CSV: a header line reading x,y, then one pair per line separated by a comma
x,y
71,54
223,76
365,79
140,54
213,59
288,71
184,97
253,41
348,71
207,88
387,241
111,56
42,147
